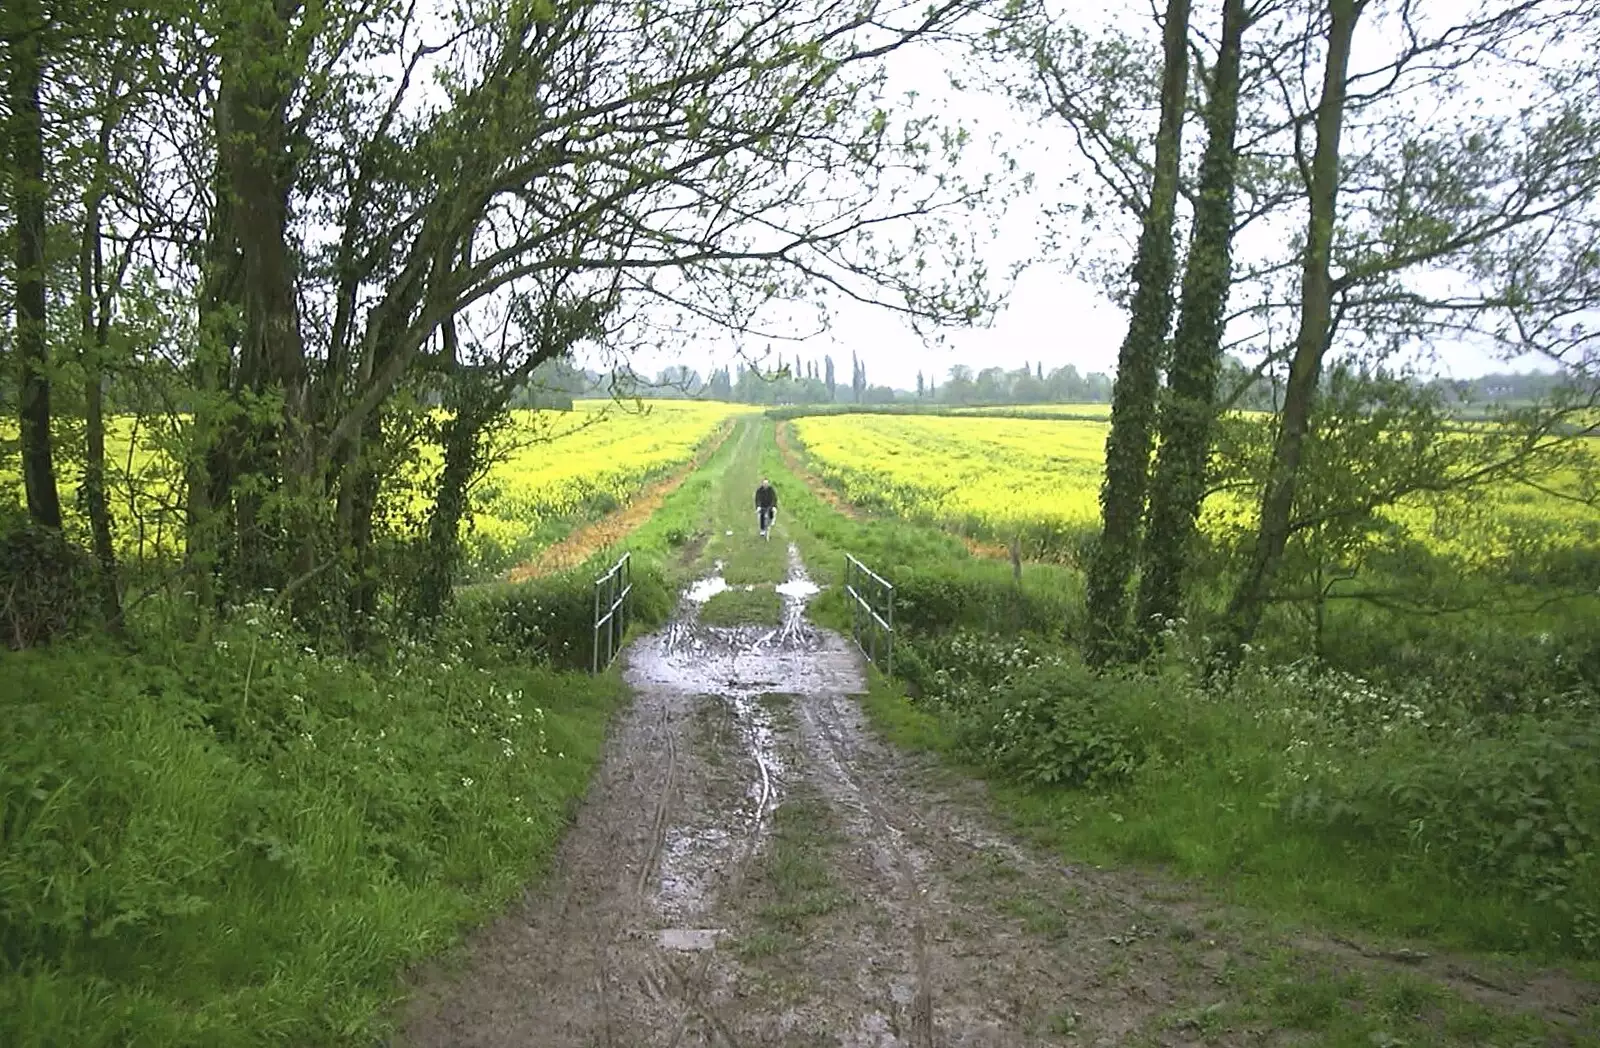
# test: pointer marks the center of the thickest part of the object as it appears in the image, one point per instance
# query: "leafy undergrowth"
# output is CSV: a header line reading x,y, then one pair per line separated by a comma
x,y
551,618
245,842
1303,791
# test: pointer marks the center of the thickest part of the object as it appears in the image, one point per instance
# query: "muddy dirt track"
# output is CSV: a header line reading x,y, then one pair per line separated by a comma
x,y
753,867
677,916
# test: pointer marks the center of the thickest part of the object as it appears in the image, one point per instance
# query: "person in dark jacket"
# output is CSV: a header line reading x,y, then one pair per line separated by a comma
x,y
766,506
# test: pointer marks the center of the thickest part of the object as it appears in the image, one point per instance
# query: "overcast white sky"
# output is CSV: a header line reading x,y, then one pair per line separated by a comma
x,y
1049,315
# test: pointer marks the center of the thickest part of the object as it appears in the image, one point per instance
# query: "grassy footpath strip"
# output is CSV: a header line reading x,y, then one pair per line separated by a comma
x,y
711,521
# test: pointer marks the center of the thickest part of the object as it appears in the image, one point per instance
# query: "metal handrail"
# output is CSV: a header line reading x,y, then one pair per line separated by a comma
x,y
611,591
867,591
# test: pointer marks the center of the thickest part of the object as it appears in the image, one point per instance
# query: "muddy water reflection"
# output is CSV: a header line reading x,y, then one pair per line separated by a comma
x,y
793,658
725,672
690,856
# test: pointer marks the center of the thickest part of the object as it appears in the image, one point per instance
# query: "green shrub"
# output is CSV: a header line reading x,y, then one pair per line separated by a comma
x,y
1493,663
46,588
1516,811
552,619
1061,724
982,596
960,668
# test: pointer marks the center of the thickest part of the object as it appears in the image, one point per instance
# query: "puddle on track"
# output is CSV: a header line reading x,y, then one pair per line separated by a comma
x,y
793,658
690,856
706,588
692,665
694,856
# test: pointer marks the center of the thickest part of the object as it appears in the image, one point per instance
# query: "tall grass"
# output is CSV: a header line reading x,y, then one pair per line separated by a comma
x,y
245,842
1308,793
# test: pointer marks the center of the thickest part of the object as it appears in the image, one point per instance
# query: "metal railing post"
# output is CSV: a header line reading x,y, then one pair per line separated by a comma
x,y
611,615
617,587
868,592
890,659
594,647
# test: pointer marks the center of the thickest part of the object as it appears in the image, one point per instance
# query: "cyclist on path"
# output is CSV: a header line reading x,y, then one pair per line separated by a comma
x,y
766,506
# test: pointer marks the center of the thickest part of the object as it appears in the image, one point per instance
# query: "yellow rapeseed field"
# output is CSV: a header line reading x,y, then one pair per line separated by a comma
x,y
1037,479
562,466
143,482
987,477
578,465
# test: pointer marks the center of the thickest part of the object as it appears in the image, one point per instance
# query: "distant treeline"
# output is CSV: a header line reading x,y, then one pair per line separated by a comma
x,y
815,383
792,411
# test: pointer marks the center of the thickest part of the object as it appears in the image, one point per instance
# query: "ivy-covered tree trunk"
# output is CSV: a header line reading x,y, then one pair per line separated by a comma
x,y
1311,342
1133,399
208,467
275,535
443,549
94,314
463,448
1189,403
29,195
358,507
460,439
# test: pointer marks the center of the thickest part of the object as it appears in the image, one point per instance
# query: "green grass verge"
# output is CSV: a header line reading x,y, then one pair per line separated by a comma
x,y
743,607
1215,826
1214,808
1343,1008
245,843
677,534
938,581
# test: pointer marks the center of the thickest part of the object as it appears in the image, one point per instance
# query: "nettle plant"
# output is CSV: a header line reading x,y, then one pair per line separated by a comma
x,y
961,668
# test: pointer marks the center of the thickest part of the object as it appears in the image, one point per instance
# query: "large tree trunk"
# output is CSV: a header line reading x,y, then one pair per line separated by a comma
x,y
278,453
1311,343
209,468
359,477
359,484
94,314
1189,404
1133,400
463,442
29,195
